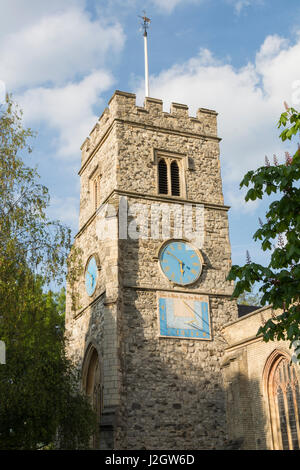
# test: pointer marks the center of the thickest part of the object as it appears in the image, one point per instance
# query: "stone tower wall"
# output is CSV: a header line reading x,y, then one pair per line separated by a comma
x,y
161,393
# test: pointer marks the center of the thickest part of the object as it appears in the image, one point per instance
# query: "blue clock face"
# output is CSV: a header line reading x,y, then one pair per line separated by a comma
x,y
91,275
180,262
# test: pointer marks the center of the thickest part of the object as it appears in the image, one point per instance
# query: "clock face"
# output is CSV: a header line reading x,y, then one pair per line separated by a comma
x,y
91,275
180,262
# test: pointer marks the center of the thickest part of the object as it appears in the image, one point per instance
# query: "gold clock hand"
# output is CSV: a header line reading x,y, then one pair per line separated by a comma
x,y
91,277
179,261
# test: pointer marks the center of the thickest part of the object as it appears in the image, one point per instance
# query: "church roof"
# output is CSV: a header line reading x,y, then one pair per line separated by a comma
x,y
245,309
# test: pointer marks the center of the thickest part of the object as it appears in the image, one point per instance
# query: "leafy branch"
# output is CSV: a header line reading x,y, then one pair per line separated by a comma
x,y
280,279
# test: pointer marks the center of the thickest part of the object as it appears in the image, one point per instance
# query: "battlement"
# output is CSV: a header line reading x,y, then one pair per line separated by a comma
x,y
122,107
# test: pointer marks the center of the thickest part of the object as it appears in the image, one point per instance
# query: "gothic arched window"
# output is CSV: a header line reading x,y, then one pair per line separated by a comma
x,y
284,400
95,179
170,177
96,191
92,385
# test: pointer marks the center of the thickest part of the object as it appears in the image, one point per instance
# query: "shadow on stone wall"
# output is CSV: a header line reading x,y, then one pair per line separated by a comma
x,y
94,378
171,390
246,414
172,394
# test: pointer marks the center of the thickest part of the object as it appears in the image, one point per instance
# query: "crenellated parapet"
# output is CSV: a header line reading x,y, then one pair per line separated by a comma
x,y
122,107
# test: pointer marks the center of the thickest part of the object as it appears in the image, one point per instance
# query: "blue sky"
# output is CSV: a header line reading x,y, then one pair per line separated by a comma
x,y
63,60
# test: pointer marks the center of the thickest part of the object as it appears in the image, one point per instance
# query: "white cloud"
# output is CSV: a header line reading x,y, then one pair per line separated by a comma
x,y
240,5
236,200
57,47
55,58
65,210
168,5
161,6
270,48
249,101
18,14
67,110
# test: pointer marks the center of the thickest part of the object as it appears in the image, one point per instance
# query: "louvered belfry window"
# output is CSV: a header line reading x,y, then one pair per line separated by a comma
x,y
175,180
163,177
169,177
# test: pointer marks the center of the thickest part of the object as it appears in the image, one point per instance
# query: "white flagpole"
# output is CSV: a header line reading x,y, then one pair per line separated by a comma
x,y
145,24
146,64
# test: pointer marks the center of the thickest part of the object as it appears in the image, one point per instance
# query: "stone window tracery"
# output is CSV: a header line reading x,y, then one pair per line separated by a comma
x,y
284,400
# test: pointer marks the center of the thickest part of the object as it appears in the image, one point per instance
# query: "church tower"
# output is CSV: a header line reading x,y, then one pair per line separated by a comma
x,y
145,315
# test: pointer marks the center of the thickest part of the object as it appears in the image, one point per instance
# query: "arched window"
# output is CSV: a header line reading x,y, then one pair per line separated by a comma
x,y
170,179
96,194
284,401
95,180
162,177
92,385
175,179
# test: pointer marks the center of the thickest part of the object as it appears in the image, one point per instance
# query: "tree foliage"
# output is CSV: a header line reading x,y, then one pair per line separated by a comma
x,y
25,230
40,403
280,234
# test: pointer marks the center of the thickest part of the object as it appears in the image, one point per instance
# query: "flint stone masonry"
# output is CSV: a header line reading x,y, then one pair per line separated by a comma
x,y
157,393
125,137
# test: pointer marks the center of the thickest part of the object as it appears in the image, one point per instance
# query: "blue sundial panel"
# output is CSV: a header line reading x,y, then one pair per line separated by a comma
x,y
184,316
180,262
91,276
